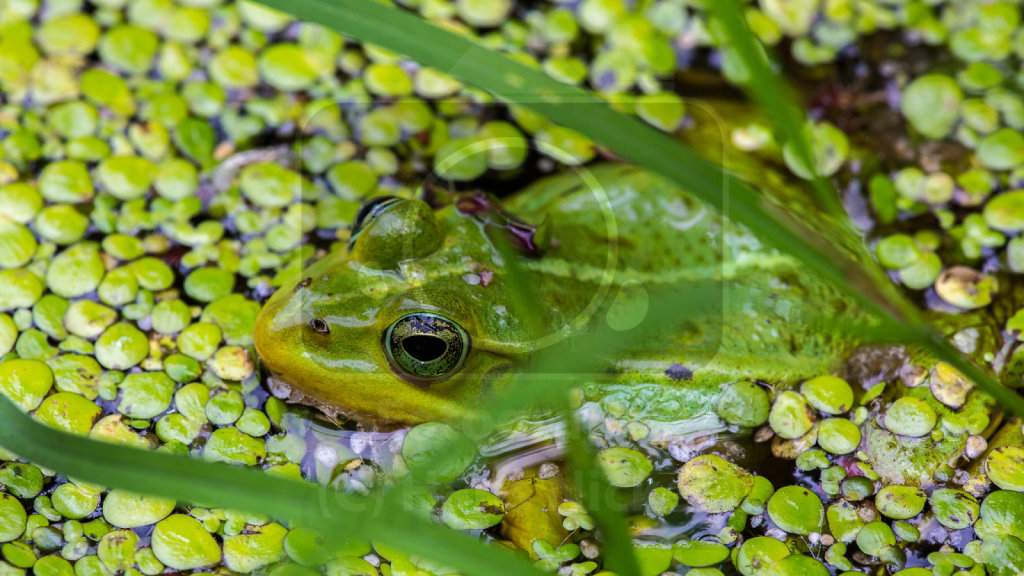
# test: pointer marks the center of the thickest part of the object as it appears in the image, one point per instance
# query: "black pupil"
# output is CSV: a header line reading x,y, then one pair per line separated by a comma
x,y
424,348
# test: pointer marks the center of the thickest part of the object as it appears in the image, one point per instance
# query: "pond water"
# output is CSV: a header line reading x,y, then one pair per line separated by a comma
x,y
167,165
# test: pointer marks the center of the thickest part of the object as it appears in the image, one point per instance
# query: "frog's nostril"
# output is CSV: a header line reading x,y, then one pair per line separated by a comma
x,y
320,326
425,348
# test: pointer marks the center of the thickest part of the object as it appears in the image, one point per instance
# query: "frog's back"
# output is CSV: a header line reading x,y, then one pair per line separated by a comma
x,y
623,226
650,229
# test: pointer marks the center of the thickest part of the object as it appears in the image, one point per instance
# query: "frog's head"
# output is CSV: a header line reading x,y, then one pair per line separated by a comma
x,y
411,323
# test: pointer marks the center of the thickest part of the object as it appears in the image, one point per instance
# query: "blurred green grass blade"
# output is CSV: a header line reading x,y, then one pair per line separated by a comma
x,y
856,275
575,108
589,480
598,497
776,98
942,349
522,295
154,473
335,514
554,370
408,34
773,94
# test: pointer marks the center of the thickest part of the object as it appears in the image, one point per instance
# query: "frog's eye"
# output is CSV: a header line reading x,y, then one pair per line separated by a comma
x,y
426,346
368,211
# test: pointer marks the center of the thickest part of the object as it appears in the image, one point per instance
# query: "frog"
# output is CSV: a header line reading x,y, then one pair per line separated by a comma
x,y
421,317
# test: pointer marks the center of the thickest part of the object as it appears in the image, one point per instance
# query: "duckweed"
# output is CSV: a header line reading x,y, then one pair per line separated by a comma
x,y
200,340
125,509
900,502
145,394
931,104
1002,150
234,446
697,553
181,368
8,334
259,546
953,508
661,501
270,185
17,244
436,452
26,382
796,510
964,287
66,182
68,412
152,273
88,319
838,436
828,394
712,484
757,552
125,177
232,363
253,422
910,417
744,404
21,479
180,542
1005,467
949,386
1001,512
73,501
472,509
209,284
1005,212
791,416
170,316
225,408
12,518
875,537
624,467
121,346
52,566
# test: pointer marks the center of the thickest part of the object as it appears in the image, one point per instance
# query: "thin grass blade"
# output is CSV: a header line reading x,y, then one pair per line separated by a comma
x,y
464,59
575,108
342,516
773,94
598,498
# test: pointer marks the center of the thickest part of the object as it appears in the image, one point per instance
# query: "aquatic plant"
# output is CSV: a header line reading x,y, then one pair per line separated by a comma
x,y
100,347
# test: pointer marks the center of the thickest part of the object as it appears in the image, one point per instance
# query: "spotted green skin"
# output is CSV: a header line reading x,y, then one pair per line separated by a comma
x,y
414,259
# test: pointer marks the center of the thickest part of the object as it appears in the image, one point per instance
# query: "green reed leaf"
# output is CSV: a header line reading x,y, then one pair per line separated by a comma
x,y
575,108
572,107
597,496
773,94
904,324
342,516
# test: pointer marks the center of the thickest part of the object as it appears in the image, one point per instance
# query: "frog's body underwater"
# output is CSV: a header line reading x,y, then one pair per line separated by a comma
x,y
419,319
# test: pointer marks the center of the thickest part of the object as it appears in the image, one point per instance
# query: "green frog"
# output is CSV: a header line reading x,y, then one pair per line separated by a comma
x,y
424,314
423,317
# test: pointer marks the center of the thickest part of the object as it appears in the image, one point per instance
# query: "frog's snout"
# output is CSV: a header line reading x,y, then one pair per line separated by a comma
x,y
278,328
281,312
